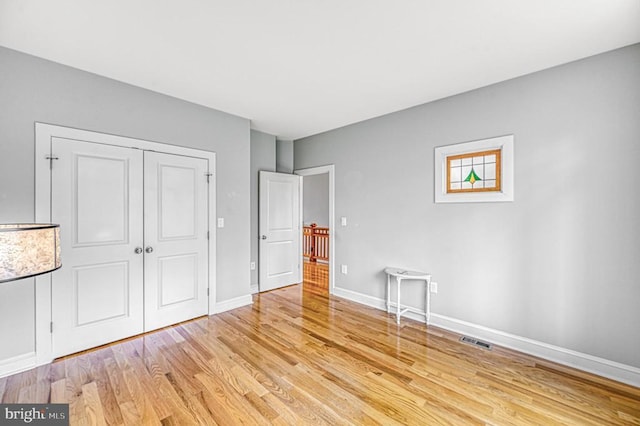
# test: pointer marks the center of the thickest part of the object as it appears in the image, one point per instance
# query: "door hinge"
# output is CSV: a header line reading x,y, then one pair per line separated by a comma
x,y
51,327
207,235
51,158
207,291
208,175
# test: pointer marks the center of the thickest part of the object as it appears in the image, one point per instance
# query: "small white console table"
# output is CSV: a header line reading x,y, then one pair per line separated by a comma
x,y
405,274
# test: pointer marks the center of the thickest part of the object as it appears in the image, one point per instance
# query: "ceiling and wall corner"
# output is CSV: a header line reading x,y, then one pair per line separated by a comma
x,y
300,68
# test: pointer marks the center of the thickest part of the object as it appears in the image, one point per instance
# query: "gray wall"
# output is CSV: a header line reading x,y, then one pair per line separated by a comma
x,y
263,157
33,89
284,156
561,263
315,204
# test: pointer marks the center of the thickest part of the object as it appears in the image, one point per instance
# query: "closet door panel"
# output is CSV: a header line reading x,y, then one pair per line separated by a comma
x,y
176,248
97,295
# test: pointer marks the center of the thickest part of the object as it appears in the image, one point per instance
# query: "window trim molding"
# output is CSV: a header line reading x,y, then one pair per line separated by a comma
x,y
442,153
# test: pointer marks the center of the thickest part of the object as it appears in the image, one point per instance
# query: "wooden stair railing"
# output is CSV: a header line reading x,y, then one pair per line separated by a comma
x,y
316,243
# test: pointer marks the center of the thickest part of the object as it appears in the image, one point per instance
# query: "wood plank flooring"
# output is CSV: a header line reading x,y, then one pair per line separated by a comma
x,y
299,356
316,276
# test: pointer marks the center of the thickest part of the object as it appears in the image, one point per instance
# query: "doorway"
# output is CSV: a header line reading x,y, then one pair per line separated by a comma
x,y
318,220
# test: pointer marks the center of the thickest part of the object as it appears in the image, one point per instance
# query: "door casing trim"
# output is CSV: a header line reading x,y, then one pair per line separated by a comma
x,y
43,134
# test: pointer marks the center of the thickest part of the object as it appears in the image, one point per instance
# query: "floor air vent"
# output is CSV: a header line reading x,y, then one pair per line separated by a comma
x,y
476,342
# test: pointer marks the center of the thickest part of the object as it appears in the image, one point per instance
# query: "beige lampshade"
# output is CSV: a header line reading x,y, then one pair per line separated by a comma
x,y
28,249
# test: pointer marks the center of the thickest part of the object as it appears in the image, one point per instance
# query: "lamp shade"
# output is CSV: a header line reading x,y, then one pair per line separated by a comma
x,y
28,249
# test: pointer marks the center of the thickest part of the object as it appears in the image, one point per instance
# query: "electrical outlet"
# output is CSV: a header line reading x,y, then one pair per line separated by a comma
x,y
253,266
221,222
343,221
434,287
343,269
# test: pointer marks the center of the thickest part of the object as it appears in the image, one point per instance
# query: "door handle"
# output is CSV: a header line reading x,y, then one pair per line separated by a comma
x,y
149,249
264,237
138,250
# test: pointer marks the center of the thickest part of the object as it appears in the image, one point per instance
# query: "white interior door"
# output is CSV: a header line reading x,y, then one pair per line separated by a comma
x,y
280,211
97,296
176,225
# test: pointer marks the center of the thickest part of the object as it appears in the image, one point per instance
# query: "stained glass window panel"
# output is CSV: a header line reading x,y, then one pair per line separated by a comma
x,y
465,172
490,171
455,174
474,172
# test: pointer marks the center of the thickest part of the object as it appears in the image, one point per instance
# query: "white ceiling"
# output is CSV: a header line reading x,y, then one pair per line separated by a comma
x,y
300,67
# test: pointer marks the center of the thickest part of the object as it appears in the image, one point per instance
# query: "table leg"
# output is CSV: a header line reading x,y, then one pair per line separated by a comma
x,y
388,293
427,307
398,301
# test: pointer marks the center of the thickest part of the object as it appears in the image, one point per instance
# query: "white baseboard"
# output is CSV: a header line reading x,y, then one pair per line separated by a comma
x,y
589,363
234,303
17,364
363,299
581,361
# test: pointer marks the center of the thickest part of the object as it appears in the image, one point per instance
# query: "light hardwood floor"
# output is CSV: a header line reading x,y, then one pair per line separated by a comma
x,y
299,356
316,276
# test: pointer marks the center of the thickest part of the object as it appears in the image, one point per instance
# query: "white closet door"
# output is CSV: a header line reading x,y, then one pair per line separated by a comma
x,y
176,265
97,296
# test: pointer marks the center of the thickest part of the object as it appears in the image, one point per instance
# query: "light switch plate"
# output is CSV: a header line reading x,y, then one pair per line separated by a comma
x,y
343,221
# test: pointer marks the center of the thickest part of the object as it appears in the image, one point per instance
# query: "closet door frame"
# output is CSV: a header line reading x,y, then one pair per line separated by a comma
x,y
43,135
